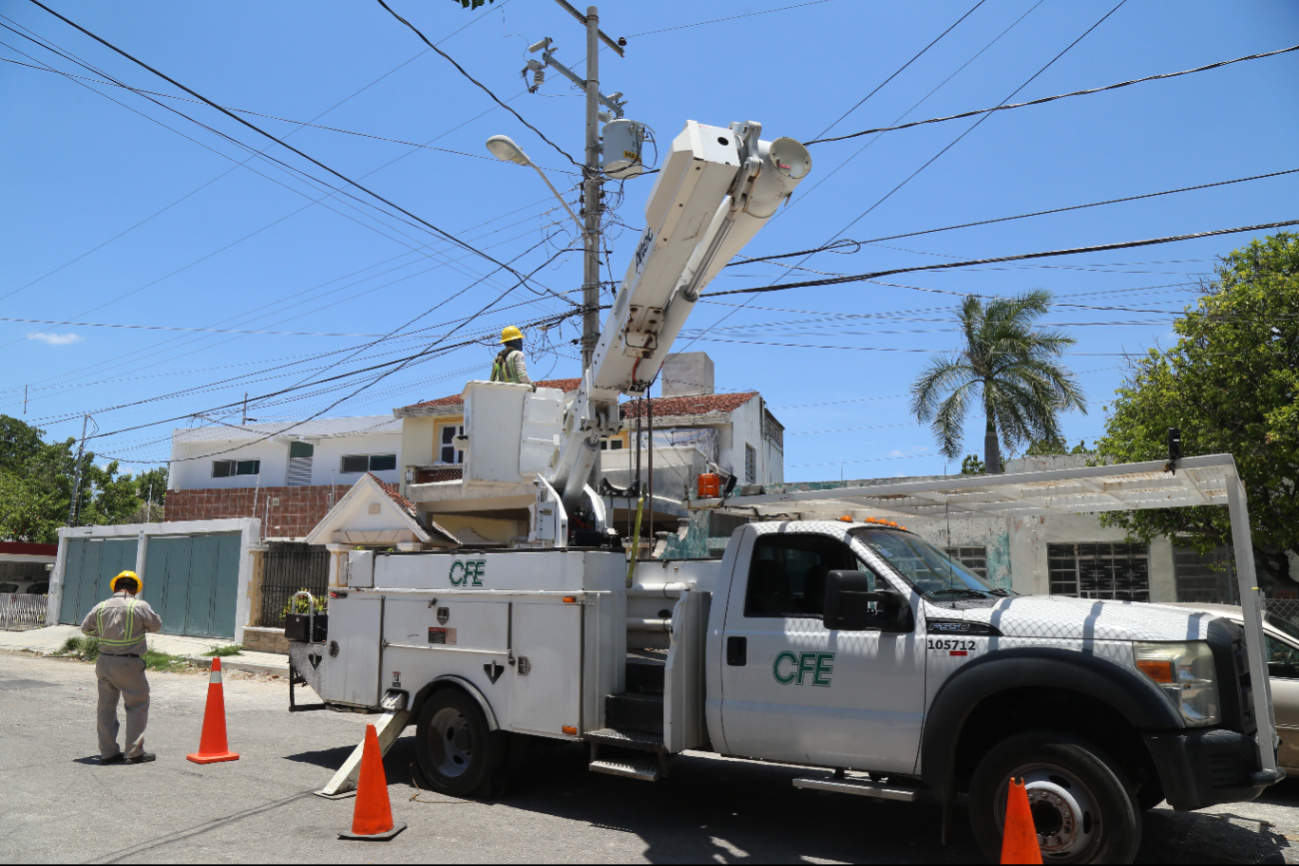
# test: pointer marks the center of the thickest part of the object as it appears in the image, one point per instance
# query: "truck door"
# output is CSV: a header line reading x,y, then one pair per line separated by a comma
x,y
793,690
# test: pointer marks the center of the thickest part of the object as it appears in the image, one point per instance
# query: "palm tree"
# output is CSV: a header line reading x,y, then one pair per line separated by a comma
x,y
1011,366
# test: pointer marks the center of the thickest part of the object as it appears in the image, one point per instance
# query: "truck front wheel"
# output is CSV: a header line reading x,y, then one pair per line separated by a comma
x,y
1082,807
458,754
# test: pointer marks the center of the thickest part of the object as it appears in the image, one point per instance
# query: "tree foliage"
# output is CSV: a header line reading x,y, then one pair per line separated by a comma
x,y
473,4
1009,365
1231,385
36,479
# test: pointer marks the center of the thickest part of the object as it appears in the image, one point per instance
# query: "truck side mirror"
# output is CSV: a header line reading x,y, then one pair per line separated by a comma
x,y
848,605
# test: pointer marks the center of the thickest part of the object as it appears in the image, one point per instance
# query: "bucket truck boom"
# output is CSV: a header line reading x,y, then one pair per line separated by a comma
x,y
717,188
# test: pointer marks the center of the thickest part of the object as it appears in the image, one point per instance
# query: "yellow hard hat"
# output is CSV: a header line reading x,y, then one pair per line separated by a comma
x,y
139,584
511,333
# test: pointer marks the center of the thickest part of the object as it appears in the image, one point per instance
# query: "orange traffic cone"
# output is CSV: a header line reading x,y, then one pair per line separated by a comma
x,y
1019,838
372,817
212,744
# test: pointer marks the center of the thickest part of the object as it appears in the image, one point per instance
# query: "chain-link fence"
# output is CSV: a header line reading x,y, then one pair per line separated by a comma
x,y
1285,608
19,612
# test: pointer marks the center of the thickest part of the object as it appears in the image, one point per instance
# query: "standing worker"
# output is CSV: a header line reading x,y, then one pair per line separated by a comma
x,y
510,365
121,623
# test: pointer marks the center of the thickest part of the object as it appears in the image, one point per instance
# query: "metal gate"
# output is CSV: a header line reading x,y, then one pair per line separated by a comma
x,y
192,581
288,567
90,564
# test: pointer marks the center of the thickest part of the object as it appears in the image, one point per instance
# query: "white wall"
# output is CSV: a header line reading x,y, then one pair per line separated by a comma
x,y
196,474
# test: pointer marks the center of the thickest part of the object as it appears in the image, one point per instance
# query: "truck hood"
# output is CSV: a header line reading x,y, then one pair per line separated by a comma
x,y
1060,617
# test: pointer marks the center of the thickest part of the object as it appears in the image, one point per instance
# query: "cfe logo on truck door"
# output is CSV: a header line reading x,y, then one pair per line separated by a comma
x,y
468,572
790,667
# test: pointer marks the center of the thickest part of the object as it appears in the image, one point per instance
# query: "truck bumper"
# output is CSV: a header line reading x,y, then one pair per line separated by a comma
x,y
1207,767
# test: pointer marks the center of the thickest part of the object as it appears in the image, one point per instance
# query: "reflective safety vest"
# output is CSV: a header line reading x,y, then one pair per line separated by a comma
x,y
121,624
506,366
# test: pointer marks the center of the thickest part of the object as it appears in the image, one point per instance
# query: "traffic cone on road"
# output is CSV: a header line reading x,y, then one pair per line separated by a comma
x,y
1019,838
212,746
372,816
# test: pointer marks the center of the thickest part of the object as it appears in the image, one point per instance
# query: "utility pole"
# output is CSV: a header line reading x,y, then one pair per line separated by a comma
x,y
76,474
592,192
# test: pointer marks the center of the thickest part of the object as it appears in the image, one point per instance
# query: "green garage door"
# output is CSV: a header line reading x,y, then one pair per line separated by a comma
x,y
192,582
91,563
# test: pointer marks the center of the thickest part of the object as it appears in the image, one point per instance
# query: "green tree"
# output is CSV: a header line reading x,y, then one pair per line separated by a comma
x,y
1231,385
972,465
36,479
1010,366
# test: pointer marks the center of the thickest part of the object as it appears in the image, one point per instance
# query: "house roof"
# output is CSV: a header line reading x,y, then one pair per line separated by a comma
x,y
565,385
700,404
318,428
424,530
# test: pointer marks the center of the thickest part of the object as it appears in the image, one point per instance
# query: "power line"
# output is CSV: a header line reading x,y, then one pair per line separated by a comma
x,y
901,68
845,242
481,86
277,140
1046,99
852,278
301,123
728,18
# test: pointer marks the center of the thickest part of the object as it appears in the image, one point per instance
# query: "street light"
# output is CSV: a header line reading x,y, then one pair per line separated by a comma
x,y
504,149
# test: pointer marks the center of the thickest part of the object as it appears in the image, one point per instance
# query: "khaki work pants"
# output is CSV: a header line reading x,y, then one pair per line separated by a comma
x,y
124,676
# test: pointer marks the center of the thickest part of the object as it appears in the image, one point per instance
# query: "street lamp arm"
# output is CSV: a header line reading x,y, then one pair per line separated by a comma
x,y
557,195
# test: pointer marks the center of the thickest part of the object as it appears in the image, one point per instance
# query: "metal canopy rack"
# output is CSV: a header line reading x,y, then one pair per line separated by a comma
x,y
1182,483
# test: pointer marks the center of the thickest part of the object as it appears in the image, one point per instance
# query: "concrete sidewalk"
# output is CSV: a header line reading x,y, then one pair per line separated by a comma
x,y
51,639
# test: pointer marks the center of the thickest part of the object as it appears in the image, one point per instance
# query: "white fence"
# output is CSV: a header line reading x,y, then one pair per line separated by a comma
x,y
19,612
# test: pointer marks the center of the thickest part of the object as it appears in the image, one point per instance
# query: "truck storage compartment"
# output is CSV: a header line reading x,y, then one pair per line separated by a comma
x,y
297,626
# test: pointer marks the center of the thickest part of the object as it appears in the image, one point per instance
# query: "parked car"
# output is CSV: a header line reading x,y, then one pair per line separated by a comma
x,y
25,587
1283,668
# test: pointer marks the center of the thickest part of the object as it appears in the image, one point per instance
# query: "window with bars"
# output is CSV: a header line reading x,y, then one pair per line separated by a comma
x,y
750,465
1205,578
447,452
1102,571
973,558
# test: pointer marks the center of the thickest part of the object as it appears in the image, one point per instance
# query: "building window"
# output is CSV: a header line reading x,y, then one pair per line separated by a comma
x,y
750,465
610,444
1102,571
1205,578
355,463
447,452
973,558
227,468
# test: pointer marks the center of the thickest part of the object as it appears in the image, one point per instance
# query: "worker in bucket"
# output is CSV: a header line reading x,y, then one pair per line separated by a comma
x,y
510,365
121,623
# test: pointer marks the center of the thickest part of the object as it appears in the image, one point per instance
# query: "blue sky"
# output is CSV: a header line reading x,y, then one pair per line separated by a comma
x,y
250,248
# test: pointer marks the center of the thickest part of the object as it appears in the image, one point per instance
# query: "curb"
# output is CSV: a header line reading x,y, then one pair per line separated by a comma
x,y
249,667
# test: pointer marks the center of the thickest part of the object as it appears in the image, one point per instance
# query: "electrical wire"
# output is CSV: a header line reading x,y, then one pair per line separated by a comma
x,y
852,278
480,85
280,141
1045,99
728,18
901,68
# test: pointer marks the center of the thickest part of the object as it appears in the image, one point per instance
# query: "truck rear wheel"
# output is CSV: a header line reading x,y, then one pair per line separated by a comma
x,y
458,753
1082,807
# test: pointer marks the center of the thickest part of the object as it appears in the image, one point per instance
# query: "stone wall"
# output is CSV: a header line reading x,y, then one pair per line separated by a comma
x,y
266,640
285,512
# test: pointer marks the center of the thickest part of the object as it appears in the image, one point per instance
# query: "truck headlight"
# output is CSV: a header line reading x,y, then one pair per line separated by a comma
x,y
1185,673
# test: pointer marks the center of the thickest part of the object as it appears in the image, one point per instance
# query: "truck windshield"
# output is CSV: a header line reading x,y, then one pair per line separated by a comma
x,y
930,570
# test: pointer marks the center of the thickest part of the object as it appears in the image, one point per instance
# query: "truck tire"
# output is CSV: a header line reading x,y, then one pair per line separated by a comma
x,y
458,754
1082,805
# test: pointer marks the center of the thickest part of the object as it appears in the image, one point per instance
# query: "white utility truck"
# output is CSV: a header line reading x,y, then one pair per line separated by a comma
x,y
847,645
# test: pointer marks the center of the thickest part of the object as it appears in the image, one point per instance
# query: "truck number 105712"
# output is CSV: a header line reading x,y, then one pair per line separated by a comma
x,y
951,644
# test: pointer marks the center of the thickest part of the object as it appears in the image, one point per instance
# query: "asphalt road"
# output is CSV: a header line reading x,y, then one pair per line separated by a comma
x,y
58,805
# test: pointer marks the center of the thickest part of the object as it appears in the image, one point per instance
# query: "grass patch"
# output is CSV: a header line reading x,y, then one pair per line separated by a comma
x,y
233,649
160,661
85,648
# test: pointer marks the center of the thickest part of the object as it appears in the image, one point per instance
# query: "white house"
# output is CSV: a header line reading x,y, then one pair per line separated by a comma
x,y
319,452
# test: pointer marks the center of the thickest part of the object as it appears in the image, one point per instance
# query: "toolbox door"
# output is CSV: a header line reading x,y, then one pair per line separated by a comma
x,y
545,696
352,676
